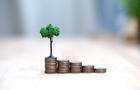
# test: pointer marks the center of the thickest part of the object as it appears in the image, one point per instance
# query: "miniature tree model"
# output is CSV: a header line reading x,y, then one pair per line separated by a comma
x,y
49,32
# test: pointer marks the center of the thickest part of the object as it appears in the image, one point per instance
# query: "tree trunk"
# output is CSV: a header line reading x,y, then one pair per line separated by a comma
x,y
139,31
51,40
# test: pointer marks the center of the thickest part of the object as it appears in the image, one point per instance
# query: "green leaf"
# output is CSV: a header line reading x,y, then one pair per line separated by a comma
x,y
49,26
132,7
56,31
44,33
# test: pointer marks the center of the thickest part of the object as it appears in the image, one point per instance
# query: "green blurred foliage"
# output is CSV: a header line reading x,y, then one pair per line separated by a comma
x,y
133,7
49,31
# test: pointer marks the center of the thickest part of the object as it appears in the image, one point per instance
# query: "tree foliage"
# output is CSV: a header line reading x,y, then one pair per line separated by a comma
x,y
133,7
49,31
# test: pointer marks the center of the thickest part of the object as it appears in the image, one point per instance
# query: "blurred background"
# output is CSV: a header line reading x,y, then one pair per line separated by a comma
x,y
75,17
100,32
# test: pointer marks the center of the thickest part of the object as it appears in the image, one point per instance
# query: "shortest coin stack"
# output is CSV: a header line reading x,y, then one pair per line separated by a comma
x,y
88,69
50,65
100,70
76,67
63,66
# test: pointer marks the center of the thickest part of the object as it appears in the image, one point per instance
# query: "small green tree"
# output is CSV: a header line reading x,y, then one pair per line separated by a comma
x,y
48,32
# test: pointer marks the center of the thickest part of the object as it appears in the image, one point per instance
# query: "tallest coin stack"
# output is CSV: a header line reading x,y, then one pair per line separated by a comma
x,y
50,65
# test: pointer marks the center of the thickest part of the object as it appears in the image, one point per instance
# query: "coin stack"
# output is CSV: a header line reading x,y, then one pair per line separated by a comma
x,y
100,70
88,68
75,67
63,66
50,65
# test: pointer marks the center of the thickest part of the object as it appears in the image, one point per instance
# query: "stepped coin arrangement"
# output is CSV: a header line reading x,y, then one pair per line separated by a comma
x,y
75,67
50,65
63,66
88,68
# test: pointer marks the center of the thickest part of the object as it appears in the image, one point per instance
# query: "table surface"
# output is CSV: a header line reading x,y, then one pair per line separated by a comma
x,y
22,64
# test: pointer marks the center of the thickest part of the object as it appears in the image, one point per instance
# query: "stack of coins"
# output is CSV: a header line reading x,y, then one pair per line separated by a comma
x,y
88,68
50,65
75,67
100,70
63,66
